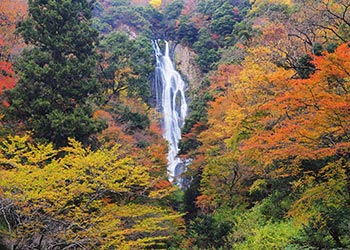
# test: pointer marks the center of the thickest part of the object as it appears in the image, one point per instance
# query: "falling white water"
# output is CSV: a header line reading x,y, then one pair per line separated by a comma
x,y
170,99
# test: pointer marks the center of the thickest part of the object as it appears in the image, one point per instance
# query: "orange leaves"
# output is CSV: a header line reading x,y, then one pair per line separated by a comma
x,y
13,8
102,114
162,188
307,118
11,11
162,184
334,70
225,77
115,134
264,122
204,202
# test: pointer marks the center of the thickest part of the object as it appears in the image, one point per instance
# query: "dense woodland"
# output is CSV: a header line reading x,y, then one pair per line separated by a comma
x,y
82,157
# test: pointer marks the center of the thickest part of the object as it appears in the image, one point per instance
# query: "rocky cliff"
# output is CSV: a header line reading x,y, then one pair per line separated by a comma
x,y
185,60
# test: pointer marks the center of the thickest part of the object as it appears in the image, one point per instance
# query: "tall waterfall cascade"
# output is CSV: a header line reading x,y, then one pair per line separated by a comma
x,y
169,89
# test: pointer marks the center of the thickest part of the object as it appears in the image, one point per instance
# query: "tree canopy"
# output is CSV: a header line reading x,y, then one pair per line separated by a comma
x,y
54,94
266,142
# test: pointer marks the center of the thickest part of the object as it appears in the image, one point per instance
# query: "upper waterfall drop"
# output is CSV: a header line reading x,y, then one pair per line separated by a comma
x,y
170,97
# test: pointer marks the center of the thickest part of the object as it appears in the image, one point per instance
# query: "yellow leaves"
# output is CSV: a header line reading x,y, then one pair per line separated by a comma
x,y
155,3
135,105
121,78
257,5
287,2
15,146
331,192
257,186
104,169
129,221
102,196
75,147
39,153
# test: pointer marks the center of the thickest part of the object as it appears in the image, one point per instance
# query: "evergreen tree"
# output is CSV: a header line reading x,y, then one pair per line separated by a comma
x,y
54,95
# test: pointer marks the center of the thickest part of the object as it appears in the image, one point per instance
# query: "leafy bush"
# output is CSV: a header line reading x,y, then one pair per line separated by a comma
x,y
252,230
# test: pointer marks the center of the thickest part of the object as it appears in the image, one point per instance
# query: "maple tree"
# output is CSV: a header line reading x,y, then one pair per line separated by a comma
x,y
239,91
266,127
313,112
310,140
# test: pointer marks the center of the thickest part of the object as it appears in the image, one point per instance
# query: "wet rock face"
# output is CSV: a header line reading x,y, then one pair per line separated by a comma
x,y
185,60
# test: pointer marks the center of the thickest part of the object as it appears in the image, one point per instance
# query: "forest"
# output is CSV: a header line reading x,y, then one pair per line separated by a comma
x,y
83,161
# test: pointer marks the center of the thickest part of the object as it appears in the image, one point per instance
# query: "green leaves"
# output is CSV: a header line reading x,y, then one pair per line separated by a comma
x,y
54,95
127,64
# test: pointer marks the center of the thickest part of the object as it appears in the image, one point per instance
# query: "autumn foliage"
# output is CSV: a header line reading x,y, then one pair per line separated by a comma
x,y
7,76
267,127
267,139
310,117
84,199
11,12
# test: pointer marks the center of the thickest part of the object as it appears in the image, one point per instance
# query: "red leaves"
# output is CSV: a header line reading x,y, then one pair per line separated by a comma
x,y
10,12
7,76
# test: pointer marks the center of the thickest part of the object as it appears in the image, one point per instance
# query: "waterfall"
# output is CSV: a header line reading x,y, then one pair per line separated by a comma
x,y
170,98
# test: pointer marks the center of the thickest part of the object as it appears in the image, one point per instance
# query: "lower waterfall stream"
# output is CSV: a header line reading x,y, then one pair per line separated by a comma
x,y
169,89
